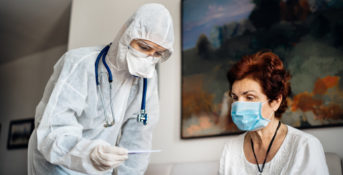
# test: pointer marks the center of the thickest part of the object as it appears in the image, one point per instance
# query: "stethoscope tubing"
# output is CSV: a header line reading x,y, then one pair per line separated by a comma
x,y
102,55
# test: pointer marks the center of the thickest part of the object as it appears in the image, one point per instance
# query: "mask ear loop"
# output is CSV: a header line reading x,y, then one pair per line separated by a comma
x,y
262,103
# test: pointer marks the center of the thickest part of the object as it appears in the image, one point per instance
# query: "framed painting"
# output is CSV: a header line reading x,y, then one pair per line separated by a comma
x,y
306,34
19,133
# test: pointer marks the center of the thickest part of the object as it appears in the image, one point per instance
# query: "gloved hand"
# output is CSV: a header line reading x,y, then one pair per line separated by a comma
x,y
105,157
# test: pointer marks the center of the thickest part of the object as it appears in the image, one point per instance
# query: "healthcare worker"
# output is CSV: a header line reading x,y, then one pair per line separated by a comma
x,y
86,123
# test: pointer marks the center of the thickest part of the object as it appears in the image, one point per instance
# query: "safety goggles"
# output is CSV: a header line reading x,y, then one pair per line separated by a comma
x,y
145,47
138,54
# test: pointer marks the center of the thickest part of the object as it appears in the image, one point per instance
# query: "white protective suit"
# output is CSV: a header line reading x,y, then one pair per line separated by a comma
x,y
69,119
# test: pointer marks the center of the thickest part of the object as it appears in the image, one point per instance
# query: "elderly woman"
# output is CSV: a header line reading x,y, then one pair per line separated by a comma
x,y
259,87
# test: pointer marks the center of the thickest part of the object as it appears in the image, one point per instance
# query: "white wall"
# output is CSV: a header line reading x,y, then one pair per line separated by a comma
x,y
96,22
33,35
27,25
22,86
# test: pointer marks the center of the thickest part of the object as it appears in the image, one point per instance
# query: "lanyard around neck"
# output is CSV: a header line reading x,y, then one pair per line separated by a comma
x,y
270,145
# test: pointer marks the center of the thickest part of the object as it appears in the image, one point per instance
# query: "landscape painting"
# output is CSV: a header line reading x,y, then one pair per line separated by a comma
x,y
306,34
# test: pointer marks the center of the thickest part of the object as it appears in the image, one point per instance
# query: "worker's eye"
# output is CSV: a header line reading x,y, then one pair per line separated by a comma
x,y
158,54
144,47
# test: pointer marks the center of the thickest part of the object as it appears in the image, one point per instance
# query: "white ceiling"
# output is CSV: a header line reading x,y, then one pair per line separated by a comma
x,y
30,26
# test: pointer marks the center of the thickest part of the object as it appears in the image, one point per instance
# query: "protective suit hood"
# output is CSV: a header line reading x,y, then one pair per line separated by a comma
x,y
151,22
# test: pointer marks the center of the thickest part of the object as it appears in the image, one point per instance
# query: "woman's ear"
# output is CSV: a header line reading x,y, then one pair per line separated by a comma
x,y
275,104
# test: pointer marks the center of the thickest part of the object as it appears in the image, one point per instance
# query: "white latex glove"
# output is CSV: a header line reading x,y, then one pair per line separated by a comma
x,y
105,157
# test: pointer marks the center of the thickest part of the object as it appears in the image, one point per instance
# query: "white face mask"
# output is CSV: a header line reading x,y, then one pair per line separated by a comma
x,y
140,64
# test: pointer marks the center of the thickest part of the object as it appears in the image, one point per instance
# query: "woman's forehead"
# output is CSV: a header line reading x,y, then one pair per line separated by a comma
x,y
246,85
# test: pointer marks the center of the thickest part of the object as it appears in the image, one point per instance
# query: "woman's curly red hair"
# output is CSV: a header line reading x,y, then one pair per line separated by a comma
x,y
266,68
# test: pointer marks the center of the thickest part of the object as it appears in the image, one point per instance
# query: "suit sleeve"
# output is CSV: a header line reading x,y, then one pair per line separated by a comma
x,y
59,134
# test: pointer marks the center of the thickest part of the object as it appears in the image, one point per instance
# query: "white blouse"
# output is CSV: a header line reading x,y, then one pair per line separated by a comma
x,y
300,153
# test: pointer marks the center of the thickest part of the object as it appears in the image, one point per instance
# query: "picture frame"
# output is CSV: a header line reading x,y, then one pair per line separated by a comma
x,y
307,37
19,133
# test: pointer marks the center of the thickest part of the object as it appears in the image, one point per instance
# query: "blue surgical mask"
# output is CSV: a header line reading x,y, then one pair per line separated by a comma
x,y
248,115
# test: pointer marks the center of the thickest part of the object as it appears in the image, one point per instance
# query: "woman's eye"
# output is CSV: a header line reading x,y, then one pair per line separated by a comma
x,y
234,98
250,98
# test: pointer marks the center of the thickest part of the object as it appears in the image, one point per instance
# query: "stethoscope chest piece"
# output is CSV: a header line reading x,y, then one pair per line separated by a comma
x,y
142,117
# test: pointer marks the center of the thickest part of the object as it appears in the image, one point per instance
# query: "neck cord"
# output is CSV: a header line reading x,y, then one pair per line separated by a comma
x,y
270,145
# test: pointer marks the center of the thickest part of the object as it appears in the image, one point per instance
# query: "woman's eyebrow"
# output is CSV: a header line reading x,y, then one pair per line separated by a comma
x,y
244,93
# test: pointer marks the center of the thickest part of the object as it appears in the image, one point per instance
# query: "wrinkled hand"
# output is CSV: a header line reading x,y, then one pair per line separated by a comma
x,y
104,157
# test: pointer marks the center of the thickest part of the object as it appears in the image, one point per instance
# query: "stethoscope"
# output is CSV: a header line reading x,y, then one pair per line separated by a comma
x,y
142,116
